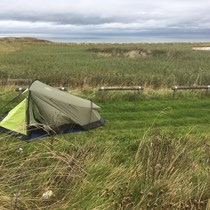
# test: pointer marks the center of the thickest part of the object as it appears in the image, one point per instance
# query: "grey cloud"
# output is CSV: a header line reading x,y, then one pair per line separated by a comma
x,y
125,17
146,20
77,18
59,18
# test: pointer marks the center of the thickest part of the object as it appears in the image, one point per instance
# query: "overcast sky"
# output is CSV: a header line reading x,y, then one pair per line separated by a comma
x,y
122,17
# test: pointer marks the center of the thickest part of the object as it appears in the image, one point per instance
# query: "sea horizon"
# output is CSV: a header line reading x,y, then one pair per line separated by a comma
x,y
112,39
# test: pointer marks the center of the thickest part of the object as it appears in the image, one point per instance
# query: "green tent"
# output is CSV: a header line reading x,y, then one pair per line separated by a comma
x,y
47,110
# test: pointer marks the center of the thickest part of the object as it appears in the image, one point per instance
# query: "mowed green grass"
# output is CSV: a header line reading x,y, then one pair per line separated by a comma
x,y
161,113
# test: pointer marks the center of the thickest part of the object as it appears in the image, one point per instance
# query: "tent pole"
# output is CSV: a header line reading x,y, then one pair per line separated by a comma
x,y
28,113
91,109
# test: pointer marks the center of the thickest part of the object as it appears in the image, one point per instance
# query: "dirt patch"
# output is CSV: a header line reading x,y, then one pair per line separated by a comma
x,y
104,54
125,53
132,54
137,53
128,53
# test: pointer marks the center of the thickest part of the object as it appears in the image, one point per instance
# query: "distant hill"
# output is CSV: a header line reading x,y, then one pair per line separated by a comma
x,y
23,39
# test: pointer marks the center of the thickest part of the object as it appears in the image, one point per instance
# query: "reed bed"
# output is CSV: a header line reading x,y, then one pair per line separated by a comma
x,y
93,65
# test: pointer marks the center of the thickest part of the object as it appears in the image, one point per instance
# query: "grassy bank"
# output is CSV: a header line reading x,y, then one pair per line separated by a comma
x,y
152,153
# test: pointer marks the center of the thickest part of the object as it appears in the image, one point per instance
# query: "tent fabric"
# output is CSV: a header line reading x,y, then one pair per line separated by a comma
x,y
15,119
47,110
62,96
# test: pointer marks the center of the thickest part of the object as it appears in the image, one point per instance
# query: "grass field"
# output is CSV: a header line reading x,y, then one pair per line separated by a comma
x,y
152,153
156,65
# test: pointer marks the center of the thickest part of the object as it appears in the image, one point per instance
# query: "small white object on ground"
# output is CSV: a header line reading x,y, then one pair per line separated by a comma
x,y
20,150
48,194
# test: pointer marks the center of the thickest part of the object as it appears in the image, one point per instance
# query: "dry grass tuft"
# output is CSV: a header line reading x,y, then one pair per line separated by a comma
x,y
25,178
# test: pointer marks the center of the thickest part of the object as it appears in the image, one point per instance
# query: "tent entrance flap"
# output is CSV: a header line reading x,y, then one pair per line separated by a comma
x,y
16,119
